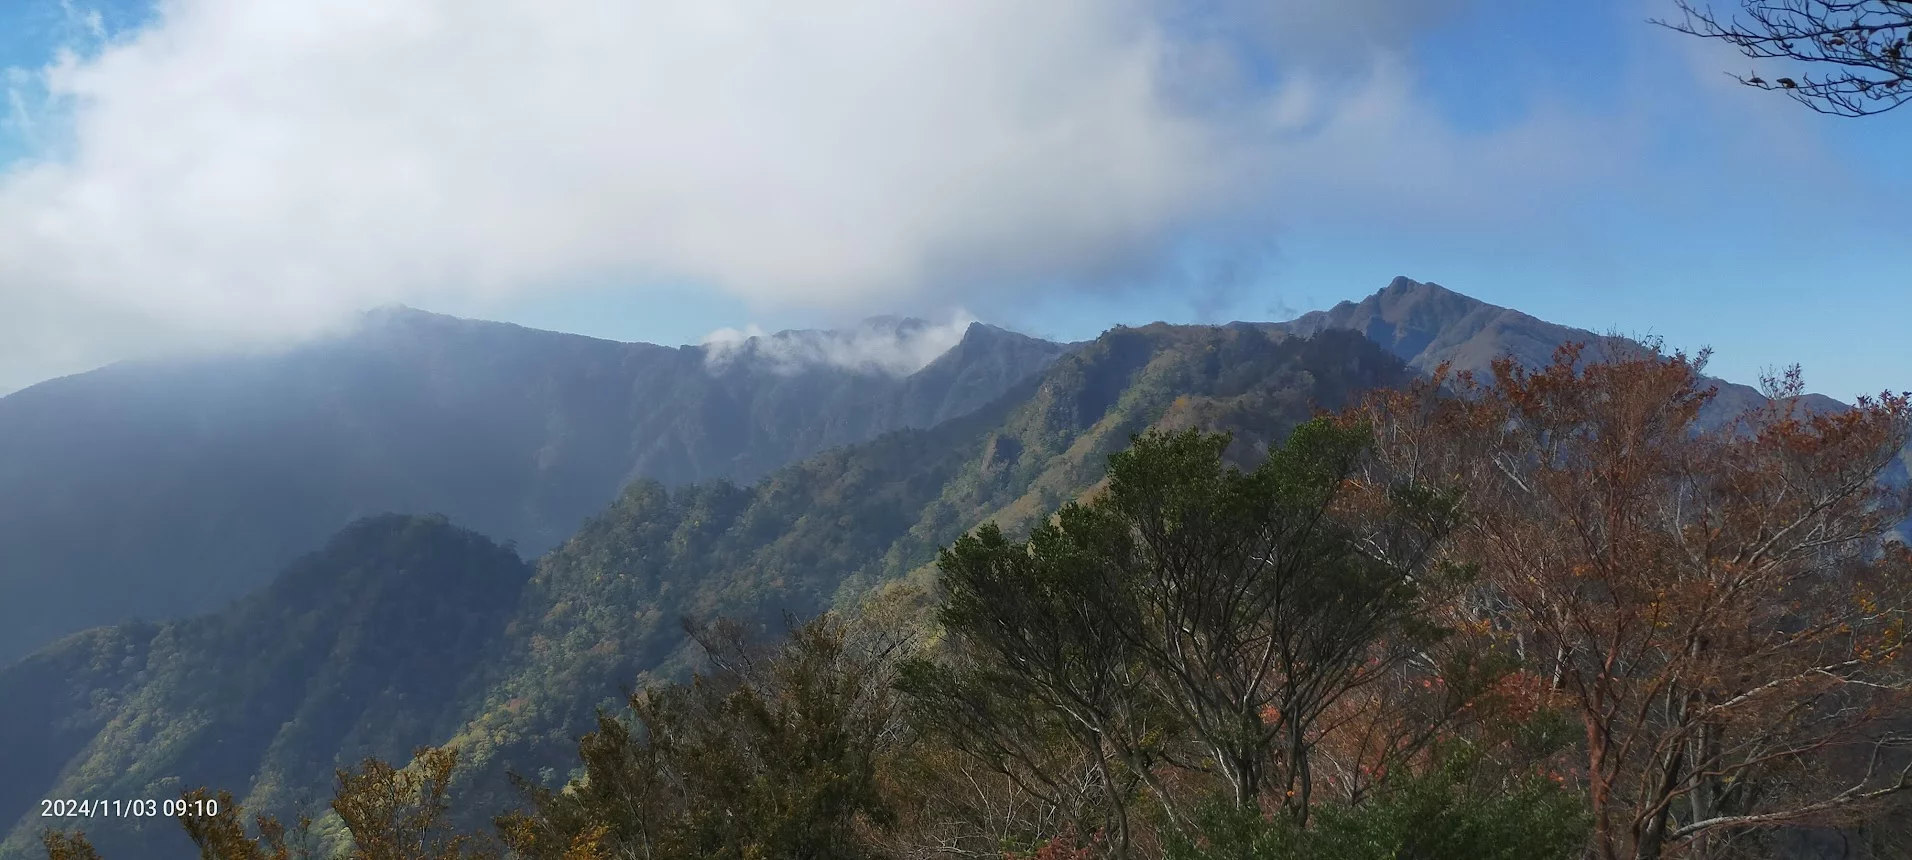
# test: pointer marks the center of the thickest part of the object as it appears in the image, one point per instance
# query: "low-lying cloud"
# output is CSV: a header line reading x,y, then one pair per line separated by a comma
x,y
887,345
261,168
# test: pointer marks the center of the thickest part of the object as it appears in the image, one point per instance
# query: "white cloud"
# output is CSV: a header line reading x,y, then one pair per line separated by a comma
x,y
897,347
1379,152
261,168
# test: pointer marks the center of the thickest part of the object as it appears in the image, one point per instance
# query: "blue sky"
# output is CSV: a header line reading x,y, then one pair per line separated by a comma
x,y
1566,159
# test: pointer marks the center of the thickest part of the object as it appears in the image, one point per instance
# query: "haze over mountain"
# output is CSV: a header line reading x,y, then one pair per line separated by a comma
x,y
237,463
160,489
349,648
149,708
166,488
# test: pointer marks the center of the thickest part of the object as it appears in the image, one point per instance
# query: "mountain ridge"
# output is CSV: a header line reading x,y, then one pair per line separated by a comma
x,y
138,709
519,432
330,659
1427,325
601,610
242,462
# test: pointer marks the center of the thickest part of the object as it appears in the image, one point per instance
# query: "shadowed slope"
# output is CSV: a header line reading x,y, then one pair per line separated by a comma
x,y
164,488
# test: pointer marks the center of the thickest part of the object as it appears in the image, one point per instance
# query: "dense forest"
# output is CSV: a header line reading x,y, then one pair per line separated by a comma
x,y
1541,613
238,464
145,710
1413,577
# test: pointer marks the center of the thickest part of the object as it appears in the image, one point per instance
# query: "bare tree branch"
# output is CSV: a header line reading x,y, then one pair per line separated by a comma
x,y
1856,52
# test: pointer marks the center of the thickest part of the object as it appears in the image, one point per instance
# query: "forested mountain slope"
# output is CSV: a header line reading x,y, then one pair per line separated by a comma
x,y
159,489
134,711
1427,325
358,649
410,630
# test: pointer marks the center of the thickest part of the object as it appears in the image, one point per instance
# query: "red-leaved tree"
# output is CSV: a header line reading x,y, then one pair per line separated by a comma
x,y
1719,606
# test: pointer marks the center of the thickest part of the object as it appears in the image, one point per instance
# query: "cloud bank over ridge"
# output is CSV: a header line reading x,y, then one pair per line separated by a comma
x,y
262,168
888,345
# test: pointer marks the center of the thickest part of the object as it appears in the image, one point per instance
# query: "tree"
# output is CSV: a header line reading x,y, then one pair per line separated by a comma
x,y
68,846
773,755
1861,44
1192,622
216,824
1037,683
1719,606
404,813
392,814
1439,814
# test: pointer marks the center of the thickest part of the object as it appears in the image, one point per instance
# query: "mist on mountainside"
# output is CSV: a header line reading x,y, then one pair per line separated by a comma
x,y
989,430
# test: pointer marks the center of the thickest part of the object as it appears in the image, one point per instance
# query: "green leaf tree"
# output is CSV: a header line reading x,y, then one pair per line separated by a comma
x,y
775,754
1193,622
1441,814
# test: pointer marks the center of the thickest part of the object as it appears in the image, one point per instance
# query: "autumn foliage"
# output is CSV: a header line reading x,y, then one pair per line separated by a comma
x,y
1545,614
1714,603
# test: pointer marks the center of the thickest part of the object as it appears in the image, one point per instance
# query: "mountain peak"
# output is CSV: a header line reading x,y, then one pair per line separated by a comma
x,y
1424,324
1404,293
1403,287
982,331
405,318
395,312
1427,325
1403,283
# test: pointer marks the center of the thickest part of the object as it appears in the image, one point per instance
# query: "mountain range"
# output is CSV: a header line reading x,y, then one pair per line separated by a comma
x,y
161,489
750,480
